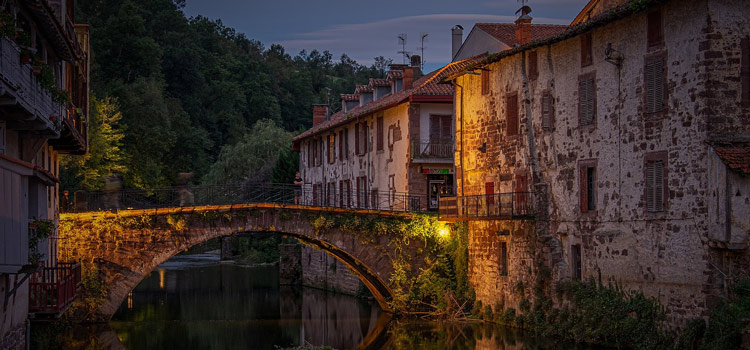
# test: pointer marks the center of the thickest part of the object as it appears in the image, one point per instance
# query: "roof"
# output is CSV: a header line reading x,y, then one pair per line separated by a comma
x,y
630,8
379,82
506,32
395,74
736,155
362,88
350,97
426,86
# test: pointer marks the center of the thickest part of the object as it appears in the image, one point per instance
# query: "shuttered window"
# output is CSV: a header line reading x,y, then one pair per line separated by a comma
x,y
512,115
745,70
587,178
533,66
331,148
547,111
356,139
654,80
309,154
379,141
654,30
655,186
360,137
587,101
587,57
485,82
342,149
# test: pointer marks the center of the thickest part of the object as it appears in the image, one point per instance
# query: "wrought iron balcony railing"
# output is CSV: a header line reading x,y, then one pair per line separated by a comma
x,y
52,290
432,149
287,194
512,205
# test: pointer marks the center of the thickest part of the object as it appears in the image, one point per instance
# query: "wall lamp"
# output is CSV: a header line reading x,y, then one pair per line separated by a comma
x,y
483,148
613,56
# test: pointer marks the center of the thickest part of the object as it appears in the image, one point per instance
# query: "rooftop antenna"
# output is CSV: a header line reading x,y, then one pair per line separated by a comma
x,y
402,42
424,40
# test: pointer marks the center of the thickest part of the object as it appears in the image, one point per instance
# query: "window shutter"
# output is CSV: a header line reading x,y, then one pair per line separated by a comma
x,y
586,107
745,70
654,28
380,133
512,115
365,138
533,68
547,111
434,128
583,192
655,186
586,56
356,138
446,125
655,86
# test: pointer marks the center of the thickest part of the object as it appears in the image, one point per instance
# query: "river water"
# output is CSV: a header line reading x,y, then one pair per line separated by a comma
x,y
197,302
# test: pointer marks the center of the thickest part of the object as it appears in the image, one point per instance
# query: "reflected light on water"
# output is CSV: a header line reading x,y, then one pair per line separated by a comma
x,y
161,277
130,300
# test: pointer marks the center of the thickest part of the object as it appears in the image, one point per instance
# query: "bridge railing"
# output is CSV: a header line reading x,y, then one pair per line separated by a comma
x,y
511,205
307,195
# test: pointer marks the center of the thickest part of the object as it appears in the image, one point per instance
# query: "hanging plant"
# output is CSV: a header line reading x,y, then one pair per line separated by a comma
x,y
39,229
7,25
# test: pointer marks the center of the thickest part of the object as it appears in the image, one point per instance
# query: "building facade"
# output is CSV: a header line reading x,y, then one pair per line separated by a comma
x,y
43,112
628,133
390,147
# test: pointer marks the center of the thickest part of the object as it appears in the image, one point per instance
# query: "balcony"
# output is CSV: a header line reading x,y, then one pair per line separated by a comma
x,y
497,206
53,289
440,151
23,102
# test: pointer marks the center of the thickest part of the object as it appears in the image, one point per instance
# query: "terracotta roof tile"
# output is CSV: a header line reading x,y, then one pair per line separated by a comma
x,y
395,74
428,85
736,155
362,88
350,97
379,82
506,32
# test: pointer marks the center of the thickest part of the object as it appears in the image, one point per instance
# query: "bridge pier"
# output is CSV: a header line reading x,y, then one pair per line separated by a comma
x,y
227,247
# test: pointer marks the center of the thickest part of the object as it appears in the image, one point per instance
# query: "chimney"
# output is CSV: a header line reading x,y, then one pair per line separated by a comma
x,y
523,26
413,72
457,34
320,114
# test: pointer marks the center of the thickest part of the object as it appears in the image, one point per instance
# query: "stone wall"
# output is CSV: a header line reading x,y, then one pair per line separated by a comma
x,y
307,266
14,313
665,254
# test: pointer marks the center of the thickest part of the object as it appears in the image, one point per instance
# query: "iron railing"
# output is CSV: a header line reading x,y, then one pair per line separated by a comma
x,y
53,289
306,195
431,150
512,205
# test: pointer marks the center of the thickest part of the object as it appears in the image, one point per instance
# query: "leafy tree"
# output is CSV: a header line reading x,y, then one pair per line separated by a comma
x,y
106,154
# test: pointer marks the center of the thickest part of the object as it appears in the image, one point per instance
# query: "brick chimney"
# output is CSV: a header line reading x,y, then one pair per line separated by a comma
x,y
412,72
320,114
523,26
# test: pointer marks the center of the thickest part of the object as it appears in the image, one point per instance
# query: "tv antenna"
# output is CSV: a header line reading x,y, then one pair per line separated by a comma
x,y
402,42
424,40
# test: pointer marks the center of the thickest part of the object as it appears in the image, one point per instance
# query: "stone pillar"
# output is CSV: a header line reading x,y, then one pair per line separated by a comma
x,y
227,248
290,264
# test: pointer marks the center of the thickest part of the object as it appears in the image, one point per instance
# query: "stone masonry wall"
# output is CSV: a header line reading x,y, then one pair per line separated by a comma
x,y
665,254
314,268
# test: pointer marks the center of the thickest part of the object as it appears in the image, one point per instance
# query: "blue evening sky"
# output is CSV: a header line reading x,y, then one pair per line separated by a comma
x,y
366,29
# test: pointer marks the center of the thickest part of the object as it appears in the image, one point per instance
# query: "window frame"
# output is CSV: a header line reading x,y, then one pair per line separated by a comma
x,y
583,190
652,157
548,123
512,96
503,258
533,64
654,40
581,78
331,152
647,60
576,262
587,55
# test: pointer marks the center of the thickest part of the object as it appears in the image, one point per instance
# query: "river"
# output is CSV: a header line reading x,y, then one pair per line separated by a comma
x,y
197,302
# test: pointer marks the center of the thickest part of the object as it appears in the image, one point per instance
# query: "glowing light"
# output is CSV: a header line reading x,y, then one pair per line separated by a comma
x,y
161,278
443,232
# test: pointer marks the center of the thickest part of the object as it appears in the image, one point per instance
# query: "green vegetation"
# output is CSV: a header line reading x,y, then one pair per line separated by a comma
x,y
726,323
194,94
436,286
43,229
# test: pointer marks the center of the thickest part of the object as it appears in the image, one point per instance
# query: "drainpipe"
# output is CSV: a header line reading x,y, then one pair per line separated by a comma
x,y
461,118
536,172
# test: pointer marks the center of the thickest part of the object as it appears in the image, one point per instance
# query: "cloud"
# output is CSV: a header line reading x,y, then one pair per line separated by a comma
x,y
363,41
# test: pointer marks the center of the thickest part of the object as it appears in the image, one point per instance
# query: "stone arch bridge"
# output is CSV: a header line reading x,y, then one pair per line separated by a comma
x,y
126,245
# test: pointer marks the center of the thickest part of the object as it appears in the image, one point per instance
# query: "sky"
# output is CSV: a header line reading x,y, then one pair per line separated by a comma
x,y
366,29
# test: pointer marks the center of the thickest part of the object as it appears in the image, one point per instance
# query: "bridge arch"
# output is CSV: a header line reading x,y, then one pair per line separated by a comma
x,y
128,245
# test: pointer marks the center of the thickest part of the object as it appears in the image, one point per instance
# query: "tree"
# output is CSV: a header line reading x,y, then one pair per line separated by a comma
x,y
106,154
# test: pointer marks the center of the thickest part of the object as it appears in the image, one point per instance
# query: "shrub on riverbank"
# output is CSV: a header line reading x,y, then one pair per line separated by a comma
x,y
726,323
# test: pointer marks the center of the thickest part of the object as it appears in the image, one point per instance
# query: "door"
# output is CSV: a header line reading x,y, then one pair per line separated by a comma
x,y
489,191
521,195
435,187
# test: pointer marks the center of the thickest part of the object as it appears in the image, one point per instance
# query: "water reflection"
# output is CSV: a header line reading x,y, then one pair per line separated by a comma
x,y
198,303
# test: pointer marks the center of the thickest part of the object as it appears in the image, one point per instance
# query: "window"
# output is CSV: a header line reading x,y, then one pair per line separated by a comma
x,y
533,66
360,138
441,128
379,141
503,258
342,149
489,191
575,261
315,152
485,82
362,192
331,194
587,57
2,137
316,195
587,100
588,186
655,169
547,111
744,72
511,119
521,196
655,32
345,188
331,148
320,153
374,199
654,81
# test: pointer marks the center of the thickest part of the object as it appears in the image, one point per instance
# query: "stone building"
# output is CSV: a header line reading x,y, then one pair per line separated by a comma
x,y
43,113
310,267
391,145
617,150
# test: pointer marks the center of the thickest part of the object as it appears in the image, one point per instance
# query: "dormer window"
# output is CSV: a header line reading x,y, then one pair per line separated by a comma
x,y
364,98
